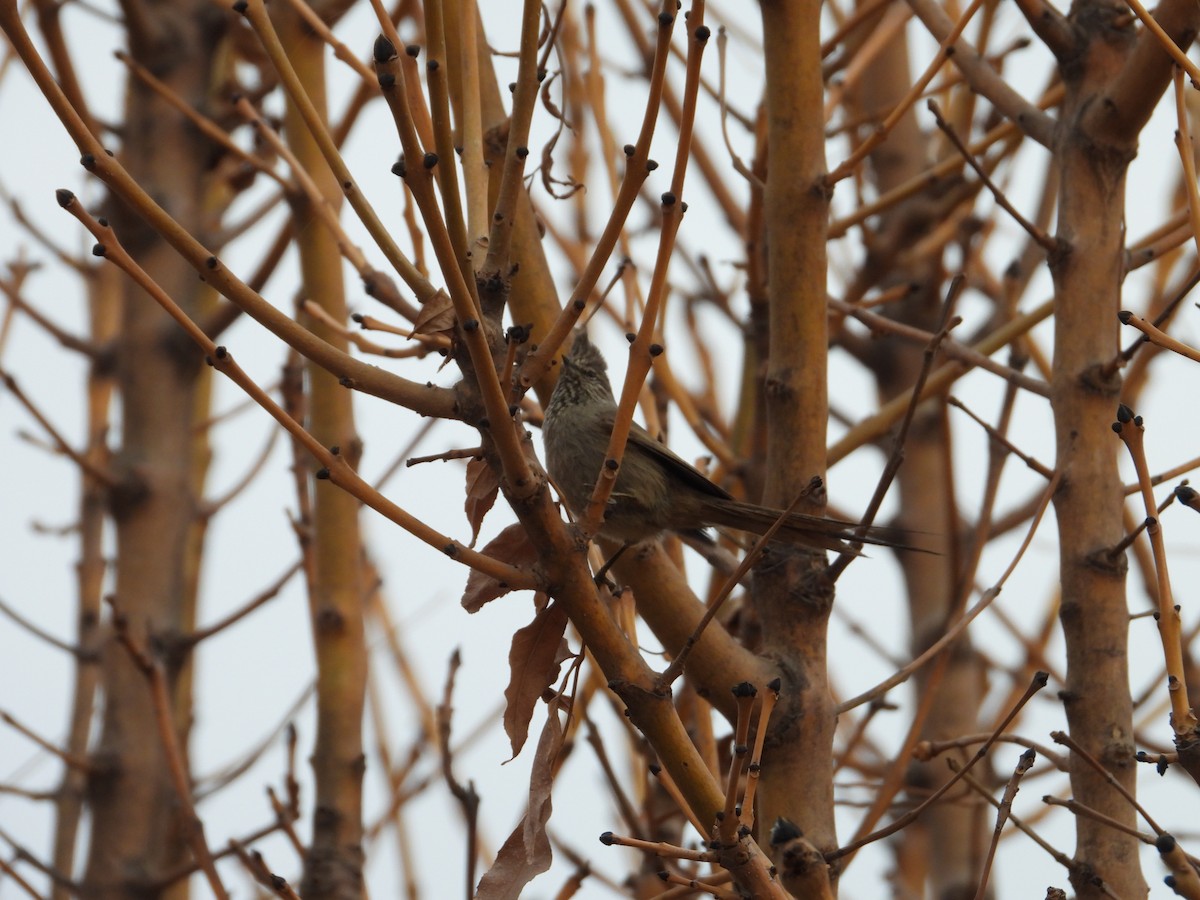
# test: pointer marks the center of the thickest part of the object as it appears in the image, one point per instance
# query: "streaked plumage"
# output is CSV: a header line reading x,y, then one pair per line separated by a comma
x,y
656,490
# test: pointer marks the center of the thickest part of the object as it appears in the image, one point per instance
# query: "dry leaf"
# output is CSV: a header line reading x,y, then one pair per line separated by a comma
x,y
534,661
548,179
551,106
436,316
511,546
483,484
547,166
526,853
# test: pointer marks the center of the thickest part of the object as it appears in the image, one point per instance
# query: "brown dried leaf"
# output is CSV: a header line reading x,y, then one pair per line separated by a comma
x,y
526,853
547,166
483,484
534,661
551,106
436,316
511,546
548,179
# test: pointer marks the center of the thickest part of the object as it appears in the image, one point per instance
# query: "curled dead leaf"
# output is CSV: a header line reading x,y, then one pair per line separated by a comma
x,y
534,661
511,546
436,316
526,853
483,484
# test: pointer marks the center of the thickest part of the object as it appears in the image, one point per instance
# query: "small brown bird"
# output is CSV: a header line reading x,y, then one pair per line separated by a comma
x,y
656,490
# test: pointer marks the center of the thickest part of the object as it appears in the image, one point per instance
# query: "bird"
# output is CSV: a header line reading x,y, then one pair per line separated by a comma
x,y
656,491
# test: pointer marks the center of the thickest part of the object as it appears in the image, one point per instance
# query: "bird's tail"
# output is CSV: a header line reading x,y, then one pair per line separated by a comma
x,y
805,530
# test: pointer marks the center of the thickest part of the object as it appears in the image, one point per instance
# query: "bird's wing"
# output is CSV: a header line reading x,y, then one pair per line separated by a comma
x,y
670,462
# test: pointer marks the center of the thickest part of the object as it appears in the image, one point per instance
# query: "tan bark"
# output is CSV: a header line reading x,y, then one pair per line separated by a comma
x,y
137,833
791,598
104,292
1087,276
926,490
333,866
1112,81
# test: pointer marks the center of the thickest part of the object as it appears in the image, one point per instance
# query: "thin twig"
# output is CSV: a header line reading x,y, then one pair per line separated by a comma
x,y
190,822
953,631
770,698
676,668
994,435
103,476
74,760
1004,811
21,882
236,616
1158,337
1172,49
210,508
257,867
1038,682
896,457
333,465
1130,430
1061,737
1187,151
468,799
39,633
1045,241
58,878
851,163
